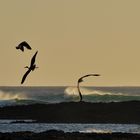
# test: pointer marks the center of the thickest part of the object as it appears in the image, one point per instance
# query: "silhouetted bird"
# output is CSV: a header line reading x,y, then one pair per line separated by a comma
x,y
31,68
81,80
22,45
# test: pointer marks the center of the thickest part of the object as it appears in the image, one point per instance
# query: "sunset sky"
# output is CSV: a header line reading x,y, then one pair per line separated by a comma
x,y
73,38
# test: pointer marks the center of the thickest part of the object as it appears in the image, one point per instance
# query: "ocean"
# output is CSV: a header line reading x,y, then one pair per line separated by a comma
x,y
11,126
11,96
31,95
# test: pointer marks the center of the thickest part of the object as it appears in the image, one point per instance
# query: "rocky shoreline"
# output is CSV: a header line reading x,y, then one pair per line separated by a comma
x,y
60,135
76,112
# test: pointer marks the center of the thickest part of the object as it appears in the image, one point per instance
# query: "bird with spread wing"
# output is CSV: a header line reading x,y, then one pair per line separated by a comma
x,y
23,45
31,68
81,80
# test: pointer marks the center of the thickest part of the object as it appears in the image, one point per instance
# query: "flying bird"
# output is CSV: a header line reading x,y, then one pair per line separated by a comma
x,y
81,80
31,68
22,45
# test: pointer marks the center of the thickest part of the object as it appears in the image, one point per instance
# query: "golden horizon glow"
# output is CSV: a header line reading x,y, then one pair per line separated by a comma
x,y
73,38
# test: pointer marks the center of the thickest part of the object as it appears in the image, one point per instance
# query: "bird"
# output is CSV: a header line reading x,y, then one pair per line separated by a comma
x,y
81,80
31,68
22,45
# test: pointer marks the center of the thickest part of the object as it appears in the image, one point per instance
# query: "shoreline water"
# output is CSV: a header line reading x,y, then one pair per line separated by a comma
x,y
49,105
26,125
73,112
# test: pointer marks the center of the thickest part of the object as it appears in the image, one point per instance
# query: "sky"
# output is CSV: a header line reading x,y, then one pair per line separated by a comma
x,y
73,38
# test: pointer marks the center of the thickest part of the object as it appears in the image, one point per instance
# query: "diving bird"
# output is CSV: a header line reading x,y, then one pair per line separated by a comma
x,y
31,68
22,45
81,80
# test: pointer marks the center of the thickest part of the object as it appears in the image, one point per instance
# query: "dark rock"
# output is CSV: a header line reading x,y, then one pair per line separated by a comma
x,y
76,112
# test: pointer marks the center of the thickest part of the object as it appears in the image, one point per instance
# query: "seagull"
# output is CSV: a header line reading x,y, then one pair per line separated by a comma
x,y
81,80
31,68
22,45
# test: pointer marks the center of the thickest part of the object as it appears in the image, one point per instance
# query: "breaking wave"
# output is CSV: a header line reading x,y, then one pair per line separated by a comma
x,y
16,98
85,91
11,96
101,95
44,95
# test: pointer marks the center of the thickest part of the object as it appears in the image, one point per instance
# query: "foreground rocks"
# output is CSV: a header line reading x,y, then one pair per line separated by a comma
x,y
60,135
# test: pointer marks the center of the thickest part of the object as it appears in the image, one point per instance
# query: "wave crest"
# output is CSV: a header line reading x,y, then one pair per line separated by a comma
x,y
73,91
11,96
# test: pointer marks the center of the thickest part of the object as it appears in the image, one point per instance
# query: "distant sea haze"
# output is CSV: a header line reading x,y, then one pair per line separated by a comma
x,y
30,95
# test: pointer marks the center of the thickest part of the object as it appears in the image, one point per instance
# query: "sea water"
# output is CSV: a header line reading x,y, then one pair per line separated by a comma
x,y
12,126
30,95
10,96
9,126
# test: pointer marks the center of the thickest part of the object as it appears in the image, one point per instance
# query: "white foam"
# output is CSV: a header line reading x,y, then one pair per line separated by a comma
x,y
11,96
73,91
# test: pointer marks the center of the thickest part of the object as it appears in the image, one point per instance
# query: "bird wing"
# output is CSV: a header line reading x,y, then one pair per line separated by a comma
x,y
21,44
81,79
33,59
90,75
25,75
85,76
22,48
26,45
